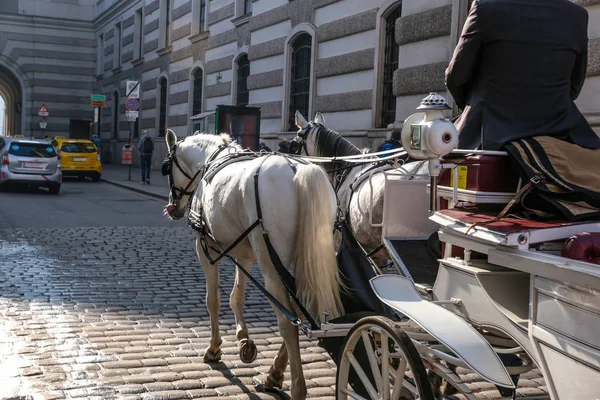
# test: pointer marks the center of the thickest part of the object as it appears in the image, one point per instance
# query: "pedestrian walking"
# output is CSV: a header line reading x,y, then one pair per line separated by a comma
x,y
146,148
392,143
263,147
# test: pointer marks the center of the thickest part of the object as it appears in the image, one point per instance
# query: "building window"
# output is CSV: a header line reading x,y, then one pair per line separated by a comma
x,y
243,71
390,64
162,108
247,6
139,35
300,78
165,23
198,77
100,55
118,45
115,114
202,16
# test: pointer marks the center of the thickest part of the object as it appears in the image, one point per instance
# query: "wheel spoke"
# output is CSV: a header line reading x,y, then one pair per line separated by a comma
x,y
372,360
398,384
363,377
353,394
385,366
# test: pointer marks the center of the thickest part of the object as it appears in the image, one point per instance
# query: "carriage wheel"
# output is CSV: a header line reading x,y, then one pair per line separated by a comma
x,y
379,361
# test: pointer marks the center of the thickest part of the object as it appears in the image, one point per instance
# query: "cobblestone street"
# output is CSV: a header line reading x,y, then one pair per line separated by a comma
x,y
118,312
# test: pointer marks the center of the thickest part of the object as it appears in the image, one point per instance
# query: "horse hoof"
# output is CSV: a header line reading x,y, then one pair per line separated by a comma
x,y
212,356
272,383
248,351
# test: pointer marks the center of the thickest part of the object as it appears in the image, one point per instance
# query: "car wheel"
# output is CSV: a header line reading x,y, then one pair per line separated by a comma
x,y
96,177
54,189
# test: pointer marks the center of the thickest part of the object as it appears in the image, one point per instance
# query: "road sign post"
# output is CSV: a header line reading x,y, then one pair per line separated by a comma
x,y
132,105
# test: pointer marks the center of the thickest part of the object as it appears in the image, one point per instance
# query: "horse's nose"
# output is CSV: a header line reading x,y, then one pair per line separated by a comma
x,y
170,209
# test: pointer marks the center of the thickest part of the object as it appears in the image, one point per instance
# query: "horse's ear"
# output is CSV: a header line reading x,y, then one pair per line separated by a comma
x,y
319,118
171,139
300,120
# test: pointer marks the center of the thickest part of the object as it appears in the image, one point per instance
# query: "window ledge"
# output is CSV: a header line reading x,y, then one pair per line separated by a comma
x,y
244,19
164,50
198,36
117,70
137,62
99,77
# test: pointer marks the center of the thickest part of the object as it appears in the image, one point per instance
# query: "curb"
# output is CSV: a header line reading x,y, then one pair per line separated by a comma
x,y
141,191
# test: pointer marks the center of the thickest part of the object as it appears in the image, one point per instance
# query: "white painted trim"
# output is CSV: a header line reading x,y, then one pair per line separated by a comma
x,y
234,67
165,75
303,27
25,98
195,66
386,8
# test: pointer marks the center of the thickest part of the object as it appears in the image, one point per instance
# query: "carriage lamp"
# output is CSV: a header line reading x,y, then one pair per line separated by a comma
x,y
429,135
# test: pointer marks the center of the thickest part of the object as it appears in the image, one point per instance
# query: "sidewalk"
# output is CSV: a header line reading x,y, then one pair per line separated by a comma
x,y
117,174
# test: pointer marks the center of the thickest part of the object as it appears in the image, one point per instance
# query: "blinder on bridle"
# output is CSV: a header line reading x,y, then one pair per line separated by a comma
x,y
299,142
166,169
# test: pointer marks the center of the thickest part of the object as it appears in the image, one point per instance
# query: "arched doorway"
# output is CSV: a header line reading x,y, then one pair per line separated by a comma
x,y
12,97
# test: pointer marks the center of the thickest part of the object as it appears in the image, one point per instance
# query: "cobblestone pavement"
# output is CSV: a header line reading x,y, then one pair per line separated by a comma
x,y
119,313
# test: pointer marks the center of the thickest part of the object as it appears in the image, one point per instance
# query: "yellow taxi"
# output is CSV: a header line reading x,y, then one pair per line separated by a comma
x,y
79,157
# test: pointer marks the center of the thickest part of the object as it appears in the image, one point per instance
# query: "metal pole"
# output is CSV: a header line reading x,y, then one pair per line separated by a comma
x,y
131,125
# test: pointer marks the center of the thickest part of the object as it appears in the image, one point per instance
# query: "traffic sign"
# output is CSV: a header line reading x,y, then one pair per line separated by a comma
x,y
43,111
131,115
43,124
98,103
132,104
133,89
98,97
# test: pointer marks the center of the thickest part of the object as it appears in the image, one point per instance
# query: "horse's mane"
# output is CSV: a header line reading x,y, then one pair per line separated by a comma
x,y
329,143
203,139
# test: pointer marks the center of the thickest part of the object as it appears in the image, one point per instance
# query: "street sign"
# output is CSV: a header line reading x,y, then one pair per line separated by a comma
x,y
98,103
131,115
43,111
98,97
43,124
133,89
132,104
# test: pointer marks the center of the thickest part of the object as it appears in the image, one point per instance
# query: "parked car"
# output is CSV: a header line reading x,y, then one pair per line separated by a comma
x,y
80,158
32,162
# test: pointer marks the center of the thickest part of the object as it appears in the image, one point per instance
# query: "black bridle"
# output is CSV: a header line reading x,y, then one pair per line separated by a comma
x,y
299,142
177,193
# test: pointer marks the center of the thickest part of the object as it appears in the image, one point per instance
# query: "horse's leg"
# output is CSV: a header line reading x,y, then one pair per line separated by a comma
x,y
237,299
275,377
213,303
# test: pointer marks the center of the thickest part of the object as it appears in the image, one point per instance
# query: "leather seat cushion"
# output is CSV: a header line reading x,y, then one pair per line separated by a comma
x,y
583,247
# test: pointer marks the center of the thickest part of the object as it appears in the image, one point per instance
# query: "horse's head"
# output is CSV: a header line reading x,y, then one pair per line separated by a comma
x,y
180,177
304,142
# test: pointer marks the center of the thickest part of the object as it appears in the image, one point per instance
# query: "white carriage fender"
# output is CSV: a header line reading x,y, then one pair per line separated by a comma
x,y
448,328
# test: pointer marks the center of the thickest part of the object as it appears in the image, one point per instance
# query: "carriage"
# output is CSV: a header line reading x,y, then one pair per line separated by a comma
x,y
504,296
497,296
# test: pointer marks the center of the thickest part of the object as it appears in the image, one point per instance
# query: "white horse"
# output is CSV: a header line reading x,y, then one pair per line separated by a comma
x,y
298,212
362,206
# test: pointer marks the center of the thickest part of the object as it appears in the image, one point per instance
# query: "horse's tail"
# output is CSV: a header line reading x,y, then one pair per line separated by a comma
x,y
315,265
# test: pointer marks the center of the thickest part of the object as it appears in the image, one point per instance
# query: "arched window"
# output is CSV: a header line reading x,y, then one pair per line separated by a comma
x,y
115,114
390,64
162,108
243,71
197,91
300,77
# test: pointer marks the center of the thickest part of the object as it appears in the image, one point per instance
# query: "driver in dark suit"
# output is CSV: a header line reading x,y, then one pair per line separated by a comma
x,y
516,71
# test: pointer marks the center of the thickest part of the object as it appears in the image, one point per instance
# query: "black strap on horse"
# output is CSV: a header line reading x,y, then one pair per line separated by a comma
x,y
286,278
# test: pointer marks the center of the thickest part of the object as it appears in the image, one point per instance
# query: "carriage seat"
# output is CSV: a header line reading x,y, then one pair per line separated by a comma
x,y
583,247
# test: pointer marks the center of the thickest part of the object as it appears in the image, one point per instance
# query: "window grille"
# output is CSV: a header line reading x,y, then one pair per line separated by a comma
x,y
202,15
391,53
162,121
243,72
197,93
300,78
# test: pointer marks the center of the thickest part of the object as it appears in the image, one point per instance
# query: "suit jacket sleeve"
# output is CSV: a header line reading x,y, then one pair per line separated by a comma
x,y
466,57
580,68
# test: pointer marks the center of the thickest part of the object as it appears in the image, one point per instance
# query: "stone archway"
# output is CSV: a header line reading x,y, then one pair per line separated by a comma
x,y
12,94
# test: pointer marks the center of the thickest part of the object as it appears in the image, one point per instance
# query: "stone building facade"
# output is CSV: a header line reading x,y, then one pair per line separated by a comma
x,y
364,64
